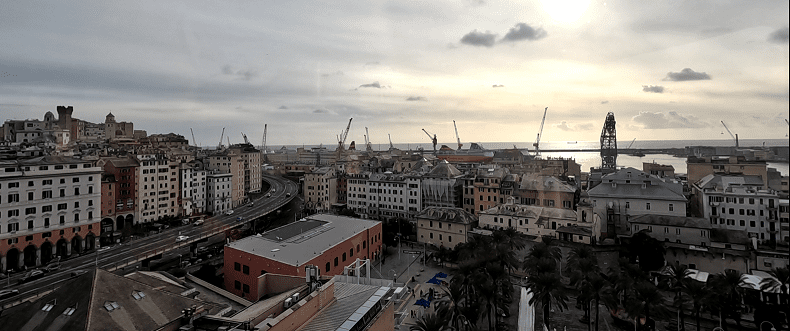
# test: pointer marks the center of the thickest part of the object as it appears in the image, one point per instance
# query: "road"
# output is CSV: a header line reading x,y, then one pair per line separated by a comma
x,y
129,254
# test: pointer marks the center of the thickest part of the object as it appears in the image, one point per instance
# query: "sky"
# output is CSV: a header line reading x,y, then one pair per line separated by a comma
x,y
667,69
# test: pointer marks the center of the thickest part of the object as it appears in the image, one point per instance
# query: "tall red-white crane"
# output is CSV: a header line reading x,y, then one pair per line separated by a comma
x,y
537,140
456,136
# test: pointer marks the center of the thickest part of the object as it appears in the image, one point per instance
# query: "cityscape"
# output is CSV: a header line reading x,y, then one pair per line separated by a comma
x,y
570,165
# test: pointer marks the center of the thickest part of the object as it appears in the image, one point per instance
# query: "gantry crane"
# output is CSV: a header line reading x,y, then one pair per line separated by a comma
x,y
341,139
537,140
219,146
193,137
433,139
734,136
456,136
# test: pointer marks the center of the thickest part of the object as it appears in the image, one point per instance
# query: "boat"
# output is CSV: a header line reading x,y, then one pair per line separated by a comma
x,y
638,153
475,153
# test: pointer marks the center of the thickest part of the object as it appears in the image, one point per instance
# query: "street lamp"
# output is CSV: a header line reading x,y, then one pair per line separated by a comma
x,y
772,326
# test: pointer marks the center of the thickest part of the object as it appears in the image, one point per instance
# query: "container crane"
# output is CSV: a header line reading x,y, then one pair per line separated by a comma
x,y
219,146
193,137
456,136
734,137
537,140
433,139
341,139
631,144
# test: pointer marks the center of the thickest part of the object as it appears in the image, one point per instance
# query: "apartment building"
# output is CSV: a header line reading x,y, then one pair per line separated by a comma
x,y
699,167
356,193
320,190
482,190
444,227
546,191
219,192
122,193
629,192
739,202
252,162
193,188
49,206
157,188
232,163
393,196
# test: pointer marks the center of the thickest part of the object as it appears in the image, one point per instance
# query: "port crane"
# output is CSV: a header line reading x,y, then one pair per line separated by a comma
x,y
631,144
456,136
219,146
390,137
263,144
433,139
341,139
537,140
368,145
734,137
245,138
193,137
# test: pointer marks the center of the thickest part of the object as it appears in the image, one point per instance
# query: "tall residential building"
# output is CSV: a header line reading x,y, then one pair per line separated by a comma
x,y
482,190
546,191
219,192
629,192
441,187
229,162
252,162
157,188
700,167
444,227
356,193
49,206
740,203
122,194
319,189
393,196
193,188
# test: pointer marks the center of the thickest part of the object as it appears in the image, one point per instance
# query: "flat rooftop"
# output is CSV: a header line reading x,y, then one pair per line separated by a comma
x,y
299,242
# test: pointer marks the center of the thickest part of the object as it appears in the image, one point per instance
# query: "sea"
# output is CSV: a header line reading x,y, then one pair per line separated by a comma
x,y
588,160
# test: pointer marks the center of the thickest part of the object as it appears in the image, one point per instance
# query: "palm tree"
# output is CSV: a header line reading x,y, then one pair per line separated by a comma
x,y
451,306
581,267
699,294
728,287
648,301
547,288
674,280
544,250
430,322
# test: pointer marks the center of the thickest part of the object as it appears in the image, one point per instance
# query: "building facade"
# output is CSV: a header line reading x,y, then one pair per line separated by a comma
x,y
444,227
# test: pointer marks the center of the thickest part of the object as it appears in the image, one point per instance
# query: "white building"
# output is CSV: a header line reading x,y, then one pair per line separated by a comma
x,y
391,196
629,192
356,196
49,206
739,202
193,188
157,188
219,191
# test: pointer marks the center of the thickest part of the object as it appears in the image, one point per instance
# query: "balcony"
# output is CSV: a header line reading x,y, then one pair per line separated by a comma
x,y
714,203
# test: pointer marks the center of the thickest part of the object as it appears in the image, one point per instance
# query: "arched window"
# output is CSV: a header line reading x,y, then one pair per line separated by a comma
x,y
327,267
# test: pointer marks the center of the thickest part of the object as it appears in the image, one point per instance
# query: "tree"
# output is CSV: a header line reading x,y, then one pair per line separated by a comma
x,y
547,288
430,322
699,294
728,289
581,267
451,306
779,282
648,301
645,250
673,280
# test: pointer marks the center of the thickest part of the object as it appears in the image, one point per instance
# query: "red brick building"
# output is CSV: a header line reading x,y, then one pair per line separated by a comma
x,y
122,192
327,241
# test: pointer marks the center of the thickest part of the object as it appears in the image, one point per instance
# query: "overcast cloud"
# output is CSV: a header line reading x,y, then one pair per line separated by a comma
x,y
304,68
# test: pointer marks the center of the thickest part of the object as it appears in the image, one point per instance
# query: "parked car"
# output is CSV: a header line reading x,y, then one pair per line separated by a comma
x,y
229,212
251,204
8,293
31,275
198,222
52,267
239,219
76,273
268,195
181,238
287,194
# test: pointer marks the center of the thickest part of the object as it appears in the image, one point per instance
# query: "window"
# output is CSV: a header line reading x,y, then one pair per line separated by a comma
x,y
46,182
450,238
236,266
751,223
327,267
75,180
647,206
30,210
351,252
63,206
677,231
46,194
237,285
76,218
335,261
29,225
246,270
46,224
246,288
344,257
13,213
29,196
430,235
671,207
13,197
76,191
13,227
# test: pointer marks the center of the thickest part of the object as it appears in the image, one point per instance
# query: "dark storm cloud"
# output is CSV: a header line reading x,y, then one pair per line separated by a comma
x,y
477,38
374,84
686,75
522,31
670,120
497,85
416,99
780,36
653,88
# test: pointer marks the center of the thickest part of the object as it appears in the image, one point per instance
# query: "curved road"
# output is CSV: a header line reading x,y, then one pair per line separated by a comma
x,y
282,192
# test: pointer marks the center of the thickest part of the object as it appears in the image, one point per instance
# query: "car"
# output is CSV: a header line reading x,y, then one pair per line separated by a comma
x,y
8,293
31,275
229,212
76,273
268,195
287,194
198,222
182,238
251,204
104,248
239,219
52,267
